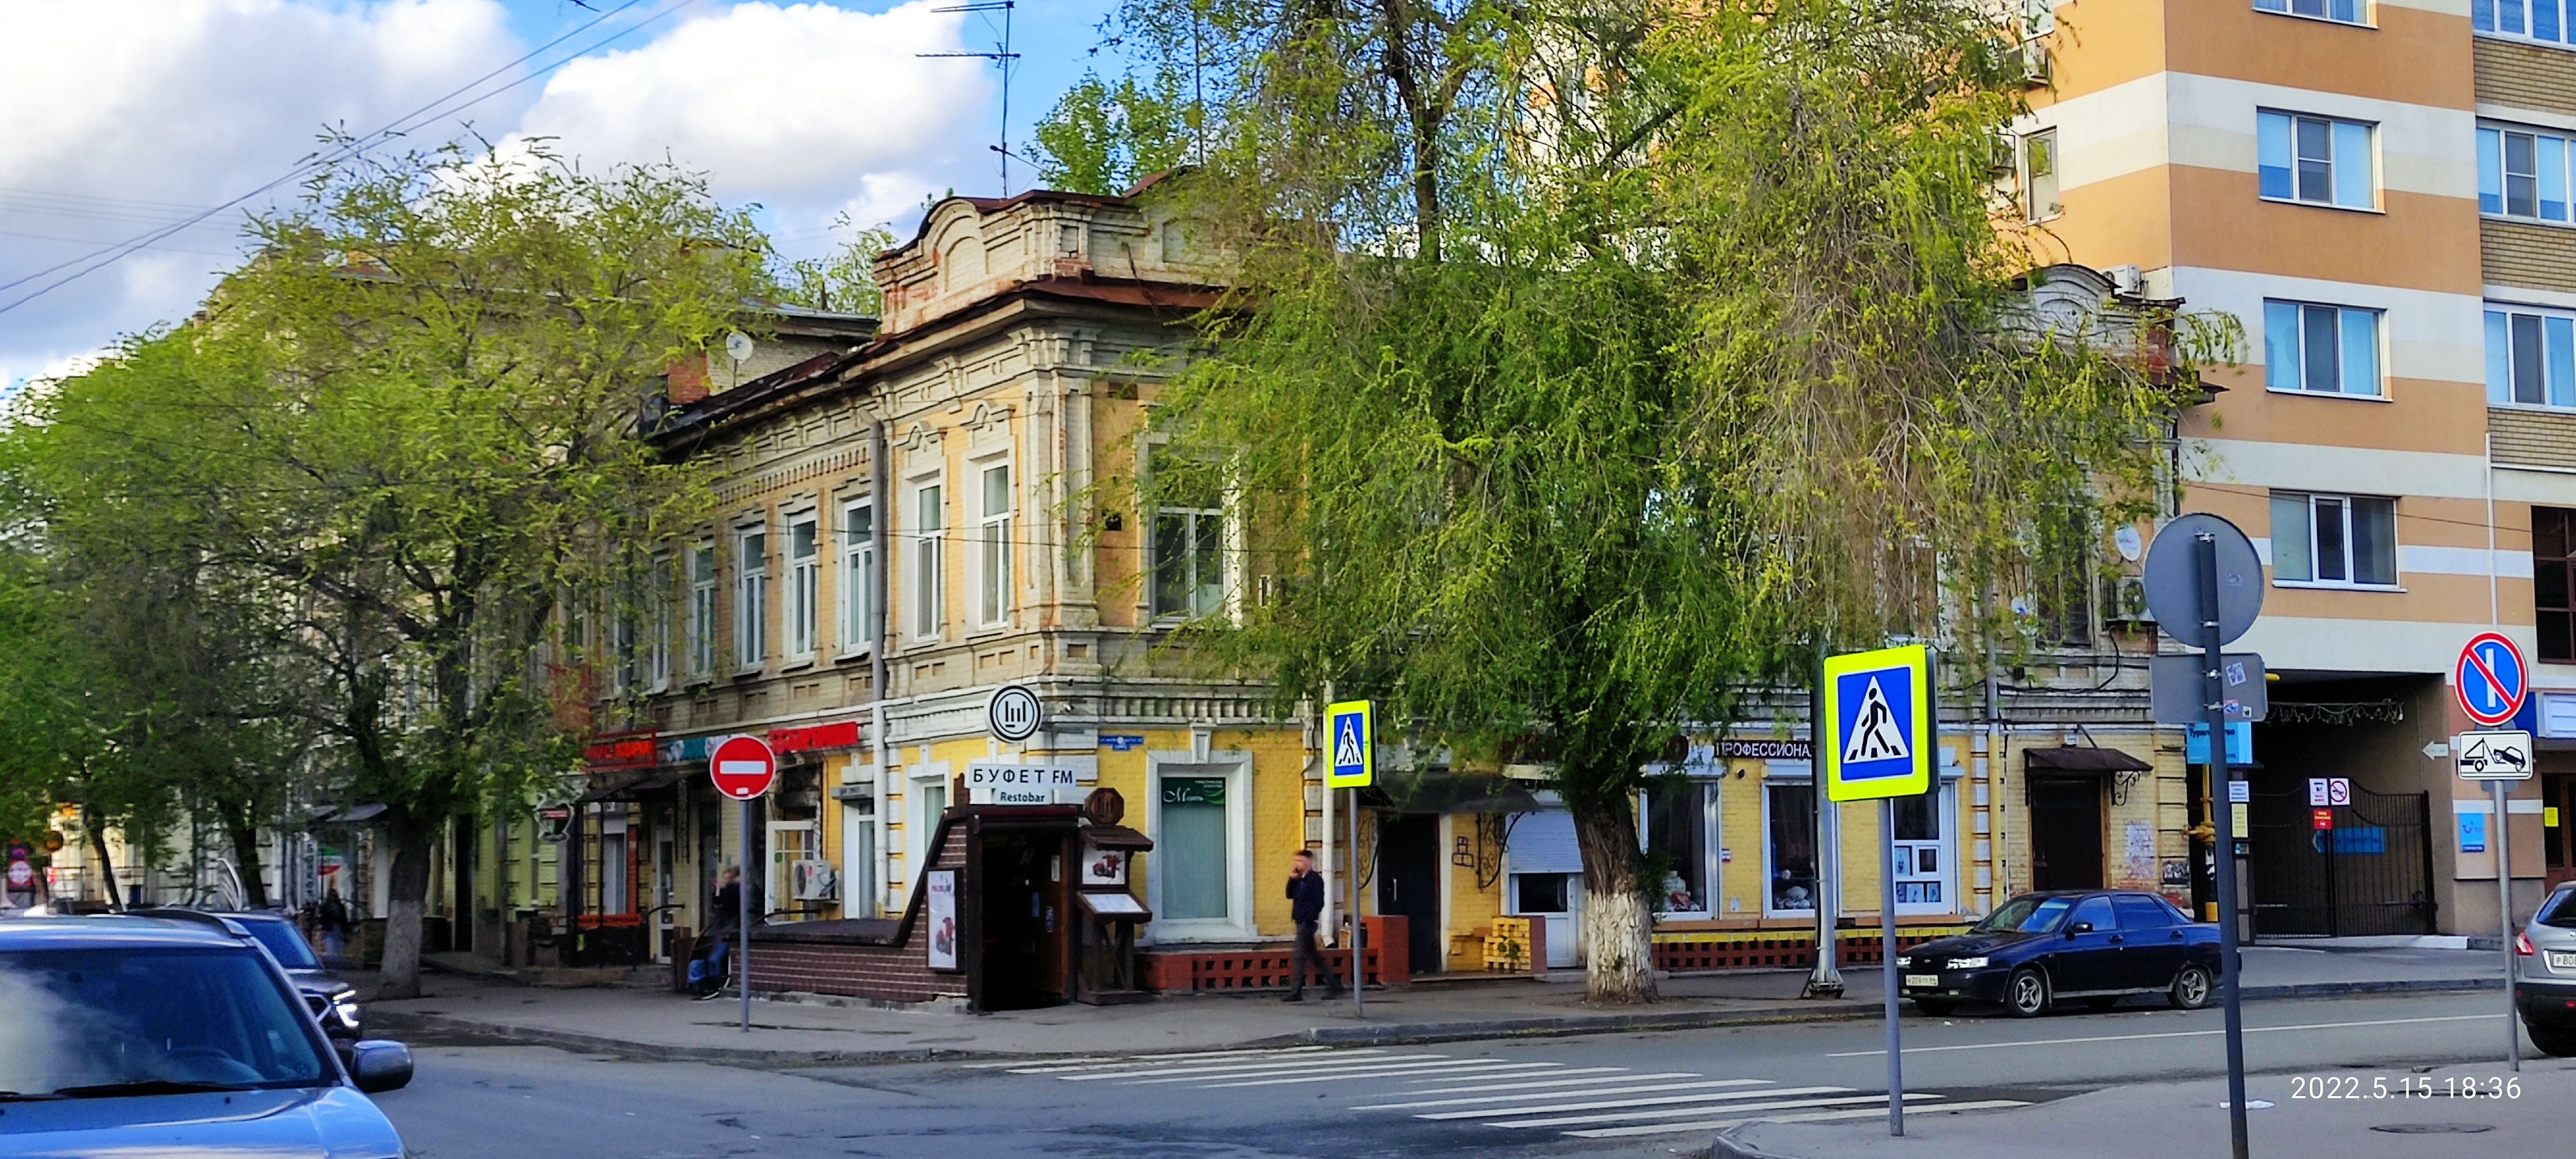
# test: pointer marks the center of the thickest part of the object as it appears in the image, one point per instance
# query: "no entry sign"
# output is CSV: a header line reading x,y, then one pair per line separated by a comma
x,y
743,768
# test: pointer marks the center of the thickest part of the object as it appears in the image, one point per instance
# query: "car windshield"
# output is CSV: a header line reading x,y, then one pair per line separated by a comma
x,y
283,941
2559,911
2026,915
151,1021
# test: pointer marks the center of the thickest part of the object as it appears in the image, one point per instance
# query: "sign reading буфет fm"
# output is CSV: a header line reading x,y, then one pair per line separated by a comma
x,y
1878,724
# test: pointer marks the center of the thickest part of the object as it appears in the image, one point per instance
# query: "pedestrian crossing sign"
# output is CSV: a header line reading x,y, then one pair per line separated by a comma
x,y
1878,738
1353,746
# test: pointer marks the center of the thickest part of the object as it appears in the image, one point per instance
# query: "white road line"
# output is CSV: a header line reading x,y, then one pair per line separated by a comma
x,y
1616,1074
1911,1109
1662,1101
1025,1062
1677,1112
1229,1068
1076,1065
1525,1091
1483,1068
1565,1093
2166,1034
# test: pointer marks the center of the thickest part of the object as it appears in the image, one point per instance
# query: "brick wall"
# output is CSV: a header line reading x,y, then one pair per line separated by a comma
x,y
2532,438
886,973
2519,254
2526,76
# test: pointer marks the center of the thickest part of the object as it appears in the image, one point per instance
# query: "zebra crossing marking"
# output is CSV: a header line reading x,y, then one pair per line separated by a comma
x,y
1668,1100
1564,1083
1911,1108
1480,1069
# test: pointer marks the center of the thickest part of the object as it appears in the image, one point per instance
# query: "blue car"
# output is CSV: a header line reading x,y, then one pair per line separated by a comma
x,y
2097,945
142,1036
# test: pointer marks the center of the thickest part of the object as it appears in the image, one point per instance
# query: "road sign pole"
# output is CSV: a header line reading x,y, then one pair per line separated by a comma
x,y
742,923
1887,963
2214,711
2504,898
1359,1006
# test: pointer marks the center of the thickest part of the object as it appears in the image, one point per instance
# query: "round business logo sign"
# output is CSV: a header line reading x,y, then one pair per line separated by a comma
x,y
1015,713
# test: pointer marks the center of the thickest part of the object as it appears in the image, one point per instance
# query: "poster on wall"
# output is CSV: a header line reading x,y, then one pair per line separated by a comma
x,y
1104,866
941,911
2139,848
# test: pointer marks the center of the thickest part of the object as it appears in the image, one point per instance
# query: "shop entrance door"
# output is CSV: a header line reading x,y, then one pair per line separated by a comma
x,y
1024,946
1408,875
2065,833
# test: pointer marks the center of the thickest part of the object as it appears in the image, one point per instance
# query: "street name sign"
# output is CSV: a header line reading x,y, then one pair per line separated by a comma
x,y
1878,724
2491,679
2493,756
1353,735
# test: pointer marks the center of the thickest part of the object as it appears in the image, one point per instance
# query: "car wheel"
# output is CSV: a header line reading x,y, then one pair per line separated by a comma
x,y
2026,993
2191,988
2558,1041
2104,1002
1933,1007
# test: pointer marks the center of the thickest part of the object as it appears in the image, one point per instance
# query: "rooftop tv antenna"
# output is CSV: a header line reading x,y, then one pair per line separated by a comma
x,y
1001,56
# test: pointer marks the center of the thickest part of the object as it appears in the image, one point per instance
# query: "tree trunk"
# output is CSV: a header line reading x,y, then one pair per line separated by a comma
x,y
408,884
1618,922
106,865
245,838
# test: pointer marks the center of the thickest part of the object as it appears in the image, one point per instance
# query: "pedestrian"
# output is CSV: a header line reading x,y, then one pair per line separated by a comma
x,y
334,919
723,924
1306,908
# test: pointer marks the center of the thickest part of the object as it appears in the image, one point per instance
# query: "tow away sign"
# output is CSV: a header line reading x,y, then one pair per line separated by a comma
x,y
2493,756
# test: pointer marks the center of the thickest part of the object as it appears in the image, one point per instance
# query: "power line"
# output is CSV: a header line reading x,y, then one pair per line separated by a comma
x,y
101,259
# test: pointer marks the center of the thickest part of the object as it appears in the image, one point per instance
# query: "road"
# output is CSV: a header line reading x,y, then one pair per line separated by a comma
x,y
1617,1095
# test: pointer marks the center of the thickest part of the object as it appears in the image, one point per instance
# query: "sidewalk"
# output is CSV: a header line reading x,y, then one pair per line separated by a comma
x,y
656,1022
2168,1119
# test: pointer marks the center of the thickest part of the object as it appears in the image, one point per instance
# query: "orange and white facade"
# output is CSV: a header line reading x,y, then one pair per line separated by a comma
x,y
2367,187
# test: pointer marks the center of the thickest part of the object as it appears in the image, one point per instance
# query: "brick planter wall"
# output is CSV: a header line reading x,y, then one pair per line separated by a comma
x,y
885,973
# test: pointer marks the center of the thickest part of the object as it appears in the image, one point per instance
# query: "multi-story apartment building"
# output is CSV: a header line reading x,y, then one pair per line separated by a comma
x,y
2379,193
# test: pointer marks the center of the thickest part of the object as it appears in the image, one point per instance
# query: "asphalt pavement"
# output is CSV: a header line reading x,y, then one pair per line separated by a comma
x,y
1639,1094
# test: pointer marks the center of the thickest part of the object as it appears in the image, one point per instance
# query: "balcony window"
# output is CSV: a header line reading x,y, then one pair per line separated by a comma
x,y
2334,540
2539,20
2317,160
2523,173
2531,357
2339,11
2321,349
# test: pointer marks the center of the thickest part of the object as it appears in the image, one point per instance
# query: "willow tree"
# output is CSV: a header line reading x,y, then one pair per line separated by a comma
x,y
1593,363
411,422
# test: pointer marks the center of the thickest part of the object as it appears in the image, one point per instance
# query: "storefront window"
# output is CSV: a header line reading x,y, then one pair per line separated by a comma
x,y
1790,815
1676,823
1192,848
1922,857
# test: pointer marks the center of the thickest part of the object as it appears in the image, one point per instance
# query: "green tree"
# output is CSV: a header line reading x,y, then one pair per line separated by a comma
x,y
1594,365
1106,138
412,421
843,281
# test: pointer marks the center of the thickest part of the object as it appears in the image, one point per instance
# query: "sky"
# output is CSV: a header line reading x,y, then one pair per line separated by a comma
x,y
120,118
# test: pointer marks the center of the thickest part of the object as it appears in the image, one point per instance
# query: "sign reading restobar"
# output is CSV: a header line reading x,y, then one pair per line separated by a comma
x,y
1012,783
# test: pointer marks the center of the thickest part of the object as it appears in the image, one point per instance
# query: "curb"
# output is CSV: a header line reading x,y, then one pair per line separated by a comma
x,y
1554,1026
1727,1146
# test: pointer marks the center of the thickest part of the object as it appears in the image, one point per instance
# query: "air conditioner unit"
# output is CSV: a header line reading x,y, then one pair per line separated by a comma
x,y
814,880
2126,601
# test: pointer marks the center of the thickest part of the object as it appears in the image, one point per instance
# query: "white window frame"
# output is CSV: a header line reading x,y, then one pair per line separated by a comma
x,y
2525,13
804,585
2313,499
921,823
664,579
751,596
2336,164
926,602
993,577
1197,520
2549,328
2325,10
703,581
2552,152
1945,813
1235,767
2297,345
858,578
1814,840
2026,159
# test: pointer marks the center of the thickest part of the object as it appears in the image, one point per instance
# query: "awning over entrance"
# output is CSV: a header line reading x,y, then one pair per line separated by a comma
x,y
2085,759
633,788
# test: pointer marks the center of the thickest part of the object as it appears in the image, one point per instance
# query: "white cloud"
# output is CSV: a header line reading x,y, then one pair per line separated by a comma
x,y
808,108
117,116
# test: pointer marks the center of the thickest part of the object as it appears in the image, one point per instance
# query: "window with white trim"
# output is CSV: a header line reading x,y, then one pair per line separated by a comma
x,y
2531,356
858,576
657,624
2523,173
993,547
2521,19
2040,184
2317,160
702,609
929,567
2334,540
1188,546
2320,349
2339,11
804,584
751,598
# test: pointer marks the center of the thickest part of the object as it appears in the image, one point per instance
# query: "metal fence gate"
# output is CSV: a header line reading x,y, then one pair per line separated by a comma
x,y
2371,874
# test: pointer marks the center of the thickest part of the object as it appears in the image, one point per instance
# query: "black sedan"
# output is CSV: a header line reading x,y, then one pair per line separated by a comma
x,y
2097,945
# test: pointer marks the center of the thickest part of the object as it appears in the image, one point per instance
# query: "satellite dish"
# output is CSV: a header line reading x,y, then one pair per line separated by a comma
x,y
738,346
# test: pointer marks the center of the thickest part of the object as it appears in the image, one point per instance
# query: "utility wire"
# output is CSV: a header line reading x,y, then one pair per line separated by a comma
x,y
101,259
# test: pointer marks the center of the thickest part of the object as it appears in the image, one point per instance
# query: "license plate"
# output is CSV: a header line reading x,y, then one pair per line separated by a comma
x,y
2562,960
1933,980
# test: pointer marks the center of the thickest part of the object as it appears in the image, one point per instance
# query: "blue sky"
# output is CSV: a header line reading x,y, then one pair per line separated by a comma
x,y
120,118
